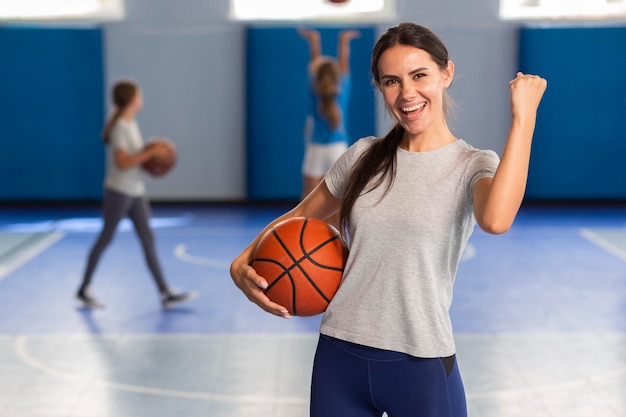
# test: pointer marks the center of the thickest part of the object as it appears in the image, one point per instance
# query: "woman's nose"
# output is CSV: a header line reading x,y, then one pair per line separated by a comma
x,y
407,93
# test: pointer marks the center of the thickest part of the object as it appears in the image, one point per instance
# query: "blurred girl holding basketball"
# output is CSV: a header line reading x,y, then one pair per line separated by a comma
x,y
124,191
408,204
330,85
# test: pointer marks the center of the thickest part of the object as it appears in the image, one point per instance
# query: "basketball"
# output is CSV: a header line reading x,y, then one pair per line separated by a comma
x,y
159,166
302,260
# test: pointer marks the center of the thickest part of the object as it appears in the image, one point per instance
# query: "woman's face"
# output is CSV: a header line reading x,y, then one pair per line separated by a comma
x,y
413,85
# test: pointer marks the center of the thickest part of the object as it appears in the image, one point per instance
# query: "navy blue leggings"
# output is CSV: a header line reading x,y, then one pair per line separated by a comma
x,y
351,380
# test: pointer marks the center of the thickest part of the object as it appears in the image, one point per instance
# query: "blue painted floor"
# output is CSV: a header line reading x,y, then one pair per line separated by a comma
x,y
539,315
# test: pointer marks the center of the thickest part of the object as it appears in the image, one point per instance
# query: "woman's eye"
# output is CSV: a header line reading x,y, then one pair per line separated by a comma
x,y
389,82
419,75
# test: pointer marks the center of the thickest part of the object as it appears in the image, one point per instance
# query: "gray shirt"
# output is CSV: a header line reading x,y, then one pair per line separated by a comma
x,y
405,248
125,136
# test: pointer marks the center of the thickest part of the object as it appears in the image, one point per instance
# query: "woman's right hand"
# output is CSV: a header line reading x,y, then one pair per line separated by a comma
x,y
319,203
253,286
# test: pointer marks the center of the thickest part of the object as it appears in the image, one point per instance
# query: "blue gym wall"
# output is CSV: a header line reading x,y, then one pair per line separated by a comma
x,y
51,112
53,102
278,101
580,141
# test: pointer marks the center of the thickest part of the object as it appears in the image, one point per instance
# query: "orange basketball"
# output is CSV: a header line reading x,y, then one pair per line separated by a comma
x,y
159,166
302,260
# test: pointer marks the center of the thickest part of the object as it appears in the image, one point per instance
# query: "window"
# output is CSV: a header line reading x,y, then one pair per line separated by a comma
x,y
562,9
312,10
54,10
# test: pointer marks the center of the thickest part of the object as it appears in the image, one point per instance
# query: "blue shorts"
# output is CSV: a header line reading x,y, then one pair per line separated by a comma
x,y
351,380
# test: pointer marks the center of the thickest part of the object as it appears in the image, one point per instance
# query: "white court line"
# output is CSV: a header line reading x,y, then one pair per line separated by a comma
x,y
556,386
180,251
23,354
603,243
29,253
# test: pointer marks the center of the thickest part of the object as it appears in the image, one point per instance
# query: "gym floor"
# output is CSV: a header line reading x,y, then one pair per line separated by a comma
x,y
539,316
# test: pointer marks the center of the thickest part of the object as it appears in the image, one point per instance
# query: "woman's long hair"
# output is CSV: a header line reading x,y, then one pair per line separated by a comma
x,y
380,159
123,94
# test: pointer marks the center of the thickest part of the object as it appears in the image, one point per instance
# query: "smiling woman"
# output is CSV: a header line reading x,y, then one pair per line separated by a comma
x,y
37,10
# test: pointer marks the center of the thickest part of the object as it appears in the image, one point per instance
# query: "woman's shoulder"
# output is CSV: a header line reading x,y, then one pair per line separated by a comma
x,y
361,145
365,142
368,140
477,153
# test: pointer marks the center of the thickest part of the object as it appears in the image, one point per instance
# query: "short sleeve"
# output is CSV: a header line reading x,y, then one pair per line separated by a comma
x,y
483,165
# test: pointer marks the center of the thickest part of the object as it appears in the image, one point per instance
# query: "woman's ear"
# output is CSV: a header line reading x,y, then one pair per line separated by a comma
x,y
449,74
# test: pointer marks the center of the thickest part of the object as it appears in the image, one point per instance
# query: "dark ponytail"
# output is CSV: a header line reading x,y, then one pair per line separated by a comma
x,y
379,159
123,94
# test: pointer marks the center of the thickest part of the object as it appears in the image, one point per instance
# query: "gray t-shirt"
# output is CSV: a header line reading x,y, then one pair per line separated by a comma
x,y
126,136
405,248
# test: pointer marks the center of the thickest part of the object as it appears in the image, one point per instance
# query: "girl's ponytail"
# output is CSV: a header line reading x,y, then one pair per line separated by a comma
x,y
123,94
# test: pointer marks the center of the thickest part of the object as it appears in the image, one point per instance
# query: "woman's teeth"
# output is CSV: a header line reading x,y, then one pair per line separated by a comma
x,y
413,108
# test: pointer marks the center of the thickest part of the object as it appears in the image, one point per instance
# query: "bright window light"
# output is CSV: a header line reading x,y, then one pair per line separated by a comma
x,y
562,9
312,10
37,10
